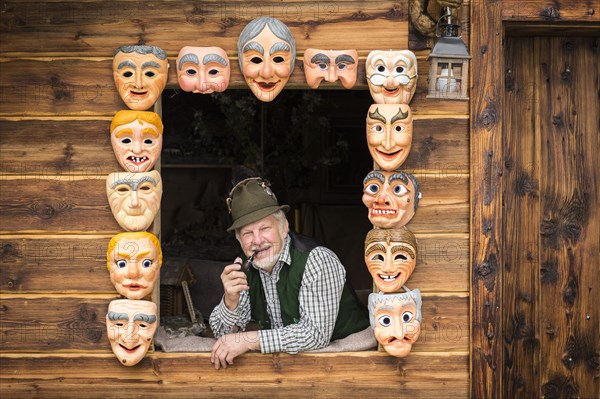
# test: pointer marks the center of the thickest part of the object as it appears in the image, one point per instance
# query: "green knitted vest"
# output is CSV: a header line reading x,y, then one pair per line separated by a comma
x,y
352,316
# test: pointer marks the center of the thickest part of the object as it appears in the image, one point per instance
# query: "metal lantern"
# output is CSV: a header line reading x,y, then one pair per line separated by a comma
x,y
449,71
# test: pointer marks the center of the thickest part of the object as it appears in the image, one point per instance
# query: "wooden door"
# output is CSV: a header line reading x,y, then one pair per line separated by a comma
x,y
551,218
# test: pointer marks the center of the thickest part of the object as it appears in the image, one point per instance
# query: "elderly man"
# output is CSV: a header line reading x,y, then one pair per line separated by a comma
x,y
295,289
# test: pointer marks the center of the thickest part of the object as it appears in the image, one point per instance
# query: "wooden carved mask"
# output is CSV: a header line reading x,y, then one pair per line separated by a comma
x,y
389,134
203,70
330,66
392,76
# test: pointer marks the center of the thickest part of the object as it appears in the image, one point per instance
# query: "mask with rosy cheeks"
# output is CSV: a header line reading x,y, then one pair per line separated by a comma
x,y
391,76
267,52
389,134
391,256
134,198
203,70
392,198
134,261
130,326
136,138
330,66
396,320
140,74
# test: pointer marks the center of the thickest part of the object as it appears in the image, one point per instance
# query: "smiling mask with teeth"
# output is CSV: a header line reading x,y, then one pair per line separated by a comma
x,y
391,76
391,256
389,134
396,320
267,52
140,74
392,198
130,326
136,138
134,261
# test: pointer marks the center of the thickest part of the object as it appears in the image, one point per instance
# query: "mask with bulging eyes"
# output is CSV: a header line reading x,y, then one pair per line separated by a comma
x,y
391,76
389,134
134,198
392,198
203,70
330,66
130,327
140,74
396,320
390,256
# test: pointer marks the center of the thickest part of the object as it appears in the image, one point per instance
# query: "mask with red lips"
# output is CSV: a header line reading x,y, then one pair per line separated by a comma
x,y
389,134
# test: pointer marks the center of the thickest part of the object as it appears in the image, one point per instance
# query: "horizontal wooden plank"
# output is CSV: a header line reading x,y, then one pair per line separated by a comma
x,y
85,86
46,323
49,148
71,204
344,375
551,11
96,28
31,264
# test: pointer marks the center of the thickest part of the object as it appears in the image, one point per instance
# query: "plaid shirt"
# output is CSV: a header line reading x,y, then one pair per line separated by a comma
x,y
320,293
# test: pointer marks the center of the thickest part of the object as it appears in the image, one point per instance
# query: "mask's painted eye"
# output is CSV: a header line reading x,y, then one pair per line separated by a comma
x,y
399,128
372,188
400,190
256,60
399,69
322,66
125,140
377,129
407,316
278,60
123,189
381,68
121,263
378,257
213,72
150,74
341,66
401,257
142,325
148,141
120,324
147,263
191,72
145,188
127,74
385,320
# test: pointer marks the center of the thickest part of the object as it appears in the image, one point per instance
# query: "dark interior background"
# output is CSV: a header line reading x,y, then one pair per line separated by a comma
x,y
309,144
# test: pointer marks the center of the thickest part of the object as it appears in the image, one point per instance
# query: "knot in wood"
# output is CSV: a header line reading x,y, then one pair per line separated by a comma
x,y
484,269
550,13
359,16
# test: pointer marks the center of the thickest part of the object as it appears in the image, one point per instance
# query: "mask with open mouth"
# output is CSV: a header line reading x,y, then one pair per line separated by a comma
x,y
396,320
140,74
389,134
267,52
391,76
390,256
130,326
136,138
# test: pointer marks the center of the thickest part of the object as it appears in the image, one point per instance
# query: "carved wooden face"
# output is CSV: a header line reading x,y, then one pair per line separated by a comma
x,y
134,198
330,66
267,63
130,326
140,76
136,138
389,134
390,197
391,76
396,320
203,70
390,256
134,261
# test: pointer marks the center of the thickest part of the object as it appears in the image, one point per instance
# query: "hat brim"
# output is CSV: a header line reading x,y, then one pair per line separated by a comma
x,y
256,216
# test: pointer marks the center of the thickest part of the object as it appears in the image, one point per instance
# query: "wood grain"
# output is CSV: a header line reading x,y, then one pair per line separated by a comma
x,y
420,375
486,199
551,11
46,323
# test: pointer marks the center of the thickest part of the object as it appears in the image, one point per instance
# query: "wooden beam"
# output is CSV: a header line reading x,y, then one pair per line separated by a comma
x,y
550,12
486,199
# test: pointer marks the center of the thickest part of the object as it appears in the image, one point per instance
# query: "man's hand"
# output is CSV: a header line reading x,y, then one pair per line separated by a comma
x,y
229,346
234,281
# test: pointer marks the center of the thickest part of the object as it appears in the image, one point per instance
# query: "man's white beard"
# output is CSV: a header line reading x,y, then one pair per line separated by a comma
x,y
267,263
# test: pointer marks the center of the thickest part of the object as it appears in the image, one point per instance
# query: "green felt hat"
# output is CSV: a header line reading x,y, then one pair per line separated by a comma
x,y
251,200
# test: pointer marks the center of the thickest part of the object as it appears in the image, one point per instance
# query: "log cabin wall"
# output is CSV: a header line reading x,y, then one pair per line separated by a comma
x,y
57,98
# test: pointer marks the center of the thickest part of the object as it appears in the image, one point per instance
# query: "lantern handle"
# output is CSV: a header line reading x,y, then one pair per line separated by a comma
x,y
451,30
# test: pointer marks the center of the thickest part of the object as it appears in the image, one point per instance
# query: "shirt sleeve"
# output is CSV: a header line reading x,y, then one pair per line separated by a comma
x,y
320,293
224,321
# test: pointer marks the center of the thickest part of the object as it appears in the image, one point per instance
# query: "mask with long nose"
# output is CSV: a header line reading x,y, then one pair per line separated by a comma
x,y
134,198
392,198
